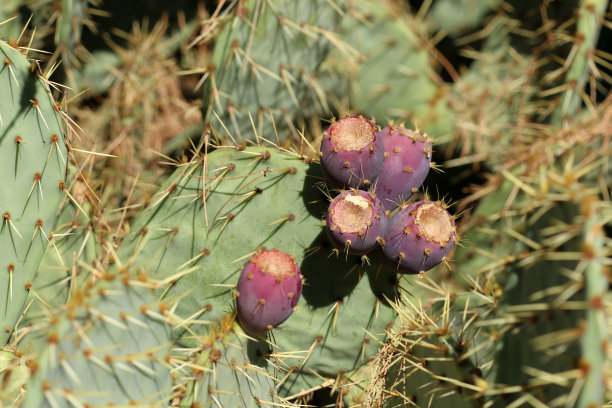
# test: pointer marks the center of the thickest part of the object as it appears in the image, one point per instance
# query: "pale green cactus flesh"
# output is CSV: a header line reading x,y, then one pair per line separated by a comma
x,y
110,344
34,167
267,68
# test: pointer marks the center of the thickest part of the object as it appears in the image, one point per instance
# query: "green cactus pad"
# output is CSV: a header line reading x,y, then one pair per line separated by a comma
x,y
539,255
544,330
74,248
33,167
593,342
109,345
267,63
231,371
9,10
436,353
392,78
459,17
70,24
254,198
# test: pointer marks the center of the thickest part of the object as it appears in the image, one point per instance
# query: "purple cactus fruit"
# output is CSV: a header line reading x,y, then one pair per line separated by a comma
x,y
355,222
407,162
352,152
269,288
419,237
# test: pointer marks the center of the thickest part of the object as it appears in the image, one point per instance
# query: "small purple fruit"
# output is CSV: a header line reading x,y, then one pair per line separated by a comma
x,y
419,237
352,152
407,162
269,288
355,222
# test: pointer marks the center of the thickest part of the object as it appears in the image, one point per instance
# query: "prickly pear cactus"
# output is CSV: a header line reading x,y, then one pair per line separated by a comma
x,y
419,237
538,255
390,69
33,167
352,153
458,16
356,222
231,370
110,344
14,373
407,163
267,66
268,291
430,357
198,232
10,21
73,14
74,248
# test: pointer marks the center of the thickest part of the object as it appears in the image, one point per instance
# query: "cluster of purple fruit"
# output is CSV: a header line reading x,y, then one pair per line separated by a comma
x,y
391,163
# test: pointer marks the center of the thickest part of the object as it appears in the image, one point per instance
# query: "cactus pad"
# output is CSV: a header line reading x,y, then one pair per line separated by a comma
x,y
267,64
199,229
33,168
109,345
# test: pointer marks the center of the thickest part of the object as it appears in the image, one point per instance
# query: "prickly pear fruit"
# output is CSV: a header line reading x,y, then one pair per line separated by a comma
x,y
352,152
407,162
269,288
356,222
419,237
